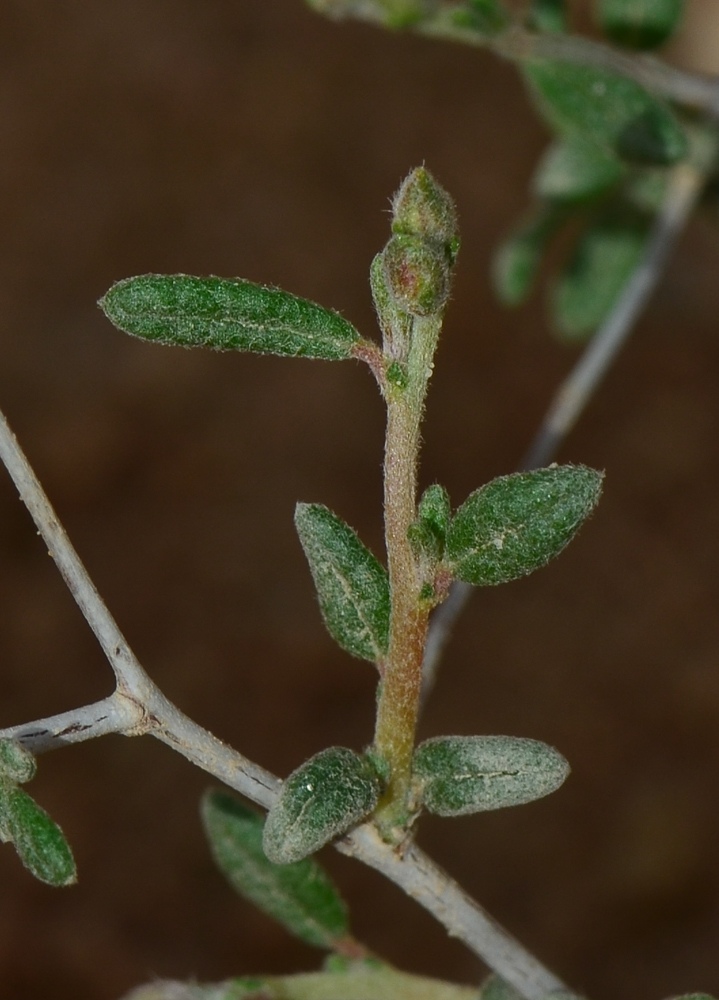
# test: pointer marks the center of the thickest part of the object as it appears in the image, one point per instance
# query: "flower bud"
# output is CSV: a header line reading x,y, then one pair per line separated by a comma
x,y
422,207
417,274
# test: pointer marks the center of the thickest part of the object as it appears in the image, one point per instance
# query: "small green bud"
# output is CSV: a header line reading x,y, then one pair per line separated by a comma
x,y
458,775
422,207
417,273
426,545
435,510
319,801
16,763
397,375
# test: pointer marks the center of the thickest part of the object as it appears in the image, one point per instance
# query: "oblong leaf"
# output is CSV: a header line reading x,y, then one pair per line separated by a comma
x,y
604,259
607,109
459,775
38,840
301,896
352,586
576,170
640,24
319,801
227,314
517,523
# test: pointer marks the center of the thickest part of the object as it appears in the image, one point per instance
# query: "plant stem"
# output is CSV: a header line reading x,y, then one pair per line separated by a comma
x,y
402,670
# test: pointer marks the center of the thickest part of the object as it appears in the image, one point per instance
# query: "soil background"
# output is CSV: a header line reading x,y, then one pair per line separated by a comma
x,y
255,138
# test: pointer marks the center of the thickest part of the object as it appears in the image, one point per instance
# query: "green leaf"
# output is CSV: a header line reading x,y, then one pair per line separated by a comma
x,y
547,15
496,988
517,259
607,109
458,775
517,523
575,171
38,840
321,800
352,586
604,259
301,896
227,314
16,763
434,509
640,24
487,17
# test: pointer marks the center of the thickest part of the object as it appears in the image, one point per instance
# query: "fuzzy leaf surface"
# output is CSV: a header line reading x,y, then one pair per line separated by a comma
x,y
604,259
517,523
319,801
38,840
227,314
459,775
301,896
640,24
352,586
607,109
16,763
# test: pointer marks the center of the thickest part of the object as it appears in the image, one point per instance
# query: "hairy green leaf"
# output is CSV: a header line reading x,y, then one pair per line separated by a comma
x,y
604,259
16,763
227,314
38,840
607,109
517,523
517,259
352,586
434,509
319,801
576,170
458,775
640,24
547,15
301,896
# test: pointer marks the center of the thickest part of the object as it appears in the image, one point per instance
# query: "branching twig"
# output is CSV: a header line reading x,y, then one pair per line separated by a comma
x,y
576,391
138,706
518,44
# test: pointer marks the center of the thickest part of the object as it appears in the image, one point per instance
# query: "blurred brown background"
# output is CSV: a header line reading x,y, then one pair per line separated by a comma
x,y
254,138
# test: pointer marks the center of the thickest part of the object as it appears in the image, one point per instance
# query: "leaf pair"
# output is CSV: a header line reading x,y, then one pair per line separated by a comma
x,y
38,840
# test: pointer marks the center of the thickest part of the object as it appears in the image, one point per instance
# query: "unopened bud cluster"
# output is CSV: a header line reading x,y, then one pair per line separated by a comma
x,y
417,262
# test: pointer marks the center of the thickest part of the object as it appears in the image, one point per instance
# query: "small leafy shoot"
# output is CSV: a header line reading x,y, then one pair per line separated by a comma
x,y
301,896
459,775
517,523
321,800
17,764
352,586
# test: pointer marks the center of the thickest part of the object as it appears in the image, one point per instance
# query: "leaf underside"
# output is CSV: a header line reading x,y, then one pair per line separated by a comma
x,y
38,840
301,896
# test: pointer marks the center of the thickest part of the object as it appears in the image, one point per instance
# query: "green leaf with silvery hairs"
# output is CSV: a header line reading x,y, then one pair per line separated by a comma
x,y
459,775
38,840
607,109
517,523
227,314
319,801
575,171
352,586
606,256
17,764
640,24
301,896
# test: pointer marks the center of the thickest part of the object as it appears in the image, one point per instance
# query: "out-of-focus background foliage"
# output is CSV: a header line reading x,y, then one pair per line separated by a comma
x,y
254,138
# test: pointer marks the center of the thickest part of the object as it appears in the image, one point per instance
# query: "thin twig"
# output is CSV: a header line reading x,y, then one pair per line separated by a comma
x,y
571,399
414,872
519,44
